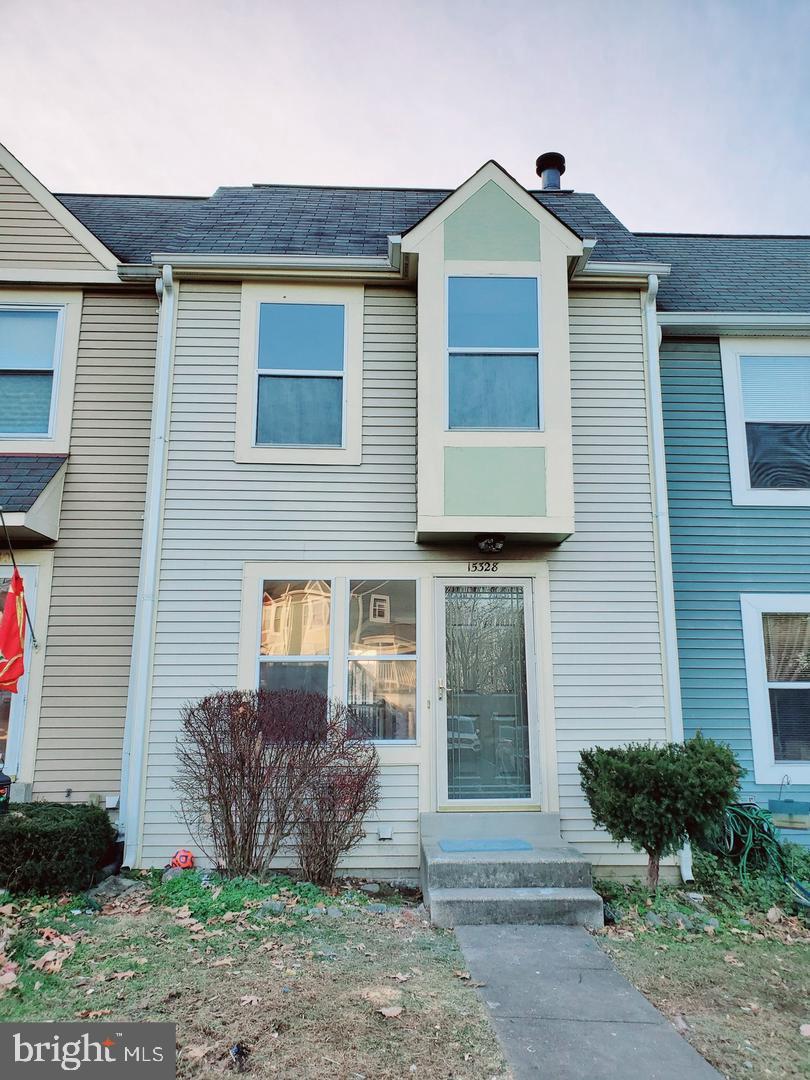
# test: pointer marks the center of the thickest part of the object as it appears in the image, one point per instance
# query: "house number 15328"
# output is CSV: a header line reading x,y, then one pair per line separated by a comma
x,y
482,567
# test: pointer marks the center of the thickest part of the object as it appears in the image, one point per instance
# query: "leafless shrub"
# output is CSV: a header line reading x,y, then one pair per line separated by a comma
x,y
253,765
336,797
243,758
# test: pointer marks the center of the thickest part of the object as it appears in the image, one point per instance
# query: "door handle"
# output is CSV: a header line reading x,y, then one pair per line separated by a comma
x,y
444,689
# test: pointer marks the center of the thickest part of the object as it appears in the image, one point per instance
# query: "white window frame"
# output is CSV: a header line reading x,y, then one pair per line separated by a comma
x,y
351,299
413,657
311,658
68,306
19,701
731,350
767,770
451,350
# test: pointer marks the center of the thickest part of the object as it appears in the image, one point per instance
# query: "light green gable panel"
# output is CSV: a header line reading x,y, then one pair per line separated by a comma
x,y
494,481
491,225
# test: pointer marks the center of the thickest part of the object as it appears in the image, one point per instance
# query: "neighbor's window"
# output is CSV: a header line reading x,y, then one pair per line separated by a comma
x,y
28,349
295,636
776,406
766,385
382,657
787,662
301,369
493,330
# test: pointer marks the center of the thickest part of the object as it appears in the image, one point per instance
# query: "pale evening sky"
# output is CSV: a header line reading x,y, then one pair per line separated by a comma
x,y
682,115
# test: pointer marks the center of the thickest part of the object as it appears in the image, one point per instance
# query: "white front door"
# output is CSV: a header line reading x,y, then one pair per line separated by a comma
x,y
487,692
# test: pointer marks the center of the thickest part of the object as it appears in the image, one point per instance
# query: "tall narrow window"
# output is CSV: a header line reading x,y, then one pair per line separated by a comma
x,y
493,342
776,408
294,647
300,372
28,346
382,657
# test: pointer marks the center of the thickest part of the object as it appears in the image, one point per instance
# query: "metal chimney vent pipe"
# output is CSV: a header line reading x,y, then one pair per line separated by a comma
x,y
550,167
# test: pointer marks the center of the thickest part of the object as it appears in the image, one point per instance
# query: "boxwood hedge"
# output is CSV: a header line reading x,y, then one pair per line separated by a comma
x,y
52,847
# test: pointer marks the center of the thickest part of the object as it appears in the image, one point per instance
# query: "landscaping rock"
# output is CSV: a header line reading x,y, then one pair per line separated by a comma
x,y
172,873
744,923
377,909
653,920
697,900
112,887
272,907
334,913
714,923
372,888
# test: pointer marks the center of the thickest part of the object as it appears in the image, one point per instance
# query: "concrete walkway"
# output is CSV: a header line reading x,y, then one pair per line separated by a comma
x,y
563,1012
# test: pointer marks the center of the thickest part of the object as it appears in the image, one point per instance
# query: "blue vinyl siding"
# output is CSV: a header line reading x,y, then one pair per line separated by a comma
x,y
720,551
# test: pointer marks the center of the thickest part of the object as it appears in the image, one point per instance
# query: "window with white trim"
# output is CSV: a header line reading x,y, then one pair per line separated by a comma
x,y
301,362
299,395
777,647
493,364
767,392
30,340
370,661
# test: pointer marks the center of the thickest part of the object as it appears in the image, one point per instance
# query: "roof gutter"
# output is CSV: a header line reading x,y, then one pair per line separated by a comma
x,y
140,678
366,263
731,322
662,534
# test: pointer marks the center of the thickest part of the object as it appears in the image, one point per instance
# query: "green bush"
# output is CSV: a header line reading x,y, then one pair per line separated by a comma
x,y
657,797
52,848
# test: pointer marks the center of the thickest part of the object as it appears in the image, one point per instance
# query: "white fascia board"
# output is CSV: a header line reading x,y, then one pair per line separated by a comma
x,y
734,322
57,210
373,263
38,276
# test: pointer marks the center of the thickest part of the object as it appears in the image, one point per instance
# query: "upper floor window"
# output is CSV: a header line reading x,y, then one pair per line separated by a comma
x,y
493,339
300,374
301,362
767,392
29,356
777,651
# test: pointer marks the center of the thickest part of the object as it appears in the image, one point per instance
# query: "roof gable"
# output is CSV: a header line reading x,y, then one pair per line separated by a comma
x,y
40,233
492,189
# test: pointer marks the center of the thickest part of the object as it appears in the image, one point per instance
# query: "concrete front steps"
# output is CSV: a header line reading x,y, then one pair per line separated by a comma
x,y
504,867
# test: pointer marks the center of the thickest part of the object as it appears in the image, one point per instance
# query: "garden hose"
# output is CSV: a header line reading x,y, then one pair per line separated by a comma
x,y
749,835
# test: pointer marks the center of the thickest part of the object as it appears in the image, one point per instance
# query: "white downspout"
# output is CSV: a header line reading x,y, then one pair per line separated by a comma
x,y
661,511
140,677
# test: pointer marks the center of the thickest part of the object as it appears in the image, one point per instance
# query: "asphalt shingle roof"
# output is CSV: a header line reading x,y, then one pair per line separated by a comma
x,y
733,273
283,219
23,478
709,273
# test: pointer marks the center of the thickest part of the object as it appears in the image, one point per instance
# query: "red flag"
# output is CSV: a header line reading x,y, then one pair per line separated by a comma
x,y
12,635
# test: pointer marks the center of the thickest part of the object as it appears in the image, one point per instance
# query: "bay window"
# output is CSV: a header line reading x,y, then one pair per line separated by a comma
x,y
493,341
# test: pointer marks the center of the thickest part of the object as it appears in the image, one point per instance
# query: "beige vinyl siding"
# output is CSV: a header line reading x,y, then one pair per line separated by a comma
x,y
608,673
219,514
31,238
96,558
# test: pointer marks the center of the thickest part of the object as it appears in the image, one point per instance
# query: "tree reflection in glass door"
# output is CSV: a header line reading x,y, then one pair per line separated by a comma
x,y
487,707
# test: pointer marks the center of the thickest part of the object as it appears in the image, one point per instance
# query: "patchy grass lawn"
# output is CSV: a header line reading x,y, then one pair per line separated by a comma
x,y
353,995
738,990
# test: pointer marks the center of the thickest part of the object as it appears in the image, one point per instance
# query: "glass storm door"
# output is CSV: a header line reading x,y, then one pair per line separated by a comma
x,y
486,693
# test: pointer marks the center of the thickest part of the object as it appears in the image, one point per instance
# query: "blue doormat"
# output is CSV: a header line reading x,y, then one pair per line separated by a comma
x,y
496,844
